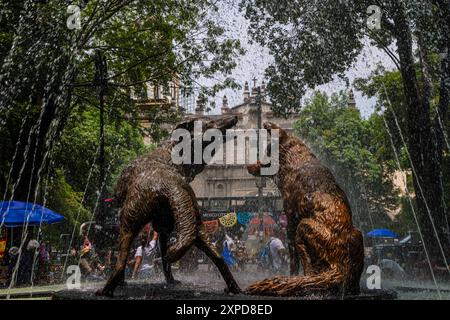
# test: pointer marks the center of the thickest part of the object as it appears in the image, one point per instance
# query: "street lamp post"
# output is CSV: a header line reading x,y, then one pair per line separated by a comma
x,y
260,181
101,83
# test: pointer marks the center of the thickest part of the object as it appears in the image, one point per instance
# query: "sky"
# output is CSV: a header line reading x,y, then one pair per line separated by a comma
x,y
257,59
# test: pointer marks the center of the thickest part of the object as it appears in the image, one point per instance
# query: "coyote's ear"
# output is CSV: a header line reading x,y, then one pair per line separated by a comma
x,y
254,169
272,126
187,125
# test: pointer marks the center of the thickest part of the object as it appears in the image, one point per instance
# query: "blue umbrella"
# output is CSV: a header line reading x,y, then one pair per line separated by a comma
x,y
382,233
16,214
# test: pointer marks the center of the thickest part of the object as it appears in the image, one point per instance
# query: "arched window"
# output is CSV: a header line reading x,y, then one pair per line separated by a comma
x,y
220,190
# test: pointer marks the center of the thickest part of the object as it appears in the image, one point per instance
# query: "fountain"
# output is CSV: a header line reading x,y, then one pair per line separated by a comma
x,y
331,271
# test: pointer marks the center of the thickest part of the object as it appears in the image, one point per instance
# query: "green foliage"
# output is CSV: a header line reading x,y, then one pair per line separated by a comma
x,y
309,41
387,87
391,115
77,152
61,198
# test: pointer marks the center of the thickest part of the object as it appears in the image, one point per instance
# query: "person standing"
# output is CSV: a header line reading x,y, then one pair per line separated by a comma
x,y
108,263
229,243
144,258
228,251
28,261
49,249
277,251
13,255
90,265
44,263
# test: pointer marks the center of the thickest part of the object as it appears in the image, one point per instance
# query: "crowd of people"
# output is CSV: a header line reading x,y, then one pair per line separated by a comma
x,y
39,264
271,256
31,266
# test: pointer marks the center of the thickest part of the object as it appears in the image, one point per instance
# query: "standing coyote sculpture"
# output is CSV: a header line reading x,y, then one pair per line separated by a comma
x,y
154,189
320,229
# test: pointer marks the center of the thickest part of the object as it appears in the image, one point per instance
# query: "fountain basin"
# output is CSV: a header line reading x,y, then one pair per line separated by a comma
x,y
190,291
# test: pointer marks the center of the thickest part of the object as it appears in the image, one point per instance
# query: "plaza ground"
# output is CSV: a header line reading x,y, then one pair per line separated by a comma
x,y
205,284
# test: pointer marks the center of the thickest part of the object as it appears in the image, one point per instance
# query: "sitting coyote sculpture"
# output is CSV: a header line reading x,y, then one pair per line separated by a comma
x,y
320,229
154,189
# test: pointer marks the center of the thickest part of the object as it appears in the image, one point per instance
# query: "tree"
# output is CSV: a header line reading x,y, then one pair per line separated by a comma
x,y
314,41
391,110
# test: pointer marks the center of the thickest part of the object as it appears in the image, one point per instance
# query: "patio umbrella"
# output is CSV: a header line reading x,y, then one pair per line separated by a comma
x,y
17,213
382,233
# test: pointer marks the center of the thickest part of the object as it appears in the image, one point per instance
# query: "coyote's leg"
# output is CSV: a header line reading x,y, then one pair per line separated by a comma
x,y
304,256
167,269
125,240
203,243
316,239
327,248
133,216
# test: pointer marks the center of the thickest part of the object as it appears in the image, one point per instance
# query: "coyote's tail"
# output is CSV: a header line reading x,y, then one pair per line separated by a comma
x,y
323,283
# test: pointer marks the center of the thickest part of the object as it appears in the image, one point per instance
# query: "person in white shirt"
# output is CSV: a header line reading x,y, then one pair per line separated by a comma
x,y
144,258
229,243
277,251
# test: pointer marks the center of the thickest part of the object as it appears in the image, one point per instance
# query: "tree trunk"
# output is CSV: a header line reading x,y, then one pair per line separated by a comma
x,y
424,152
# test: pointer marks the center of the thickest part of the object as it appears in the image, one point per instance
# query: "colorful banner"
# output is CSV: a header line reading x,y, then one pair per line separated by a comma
x,y
264,226
211,226
244,218
229,220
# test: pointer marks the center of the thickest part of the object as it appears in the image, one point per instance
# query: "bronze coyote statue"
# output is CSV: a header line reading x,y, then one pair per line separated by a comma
x,y
154,189
320,229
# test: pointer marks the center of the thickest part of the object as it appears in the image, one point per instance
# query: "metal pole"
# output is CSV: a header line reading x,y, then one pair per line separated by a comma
x,y
259,180
259,104
101,158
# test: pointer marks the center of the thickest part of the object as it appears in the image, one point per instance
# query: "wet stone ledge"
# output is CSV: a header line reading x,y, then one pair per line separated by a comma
x,y
160,291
